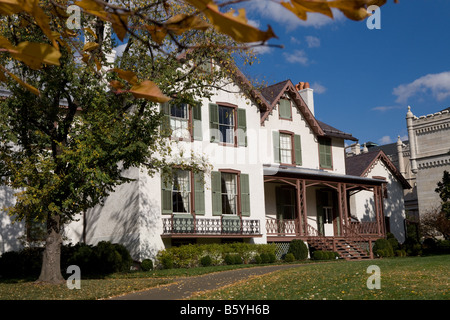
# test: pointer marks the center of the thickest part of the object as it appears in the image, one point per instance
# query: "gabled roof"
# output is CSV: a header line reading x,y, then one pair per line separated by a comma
x,y
273,94
360,165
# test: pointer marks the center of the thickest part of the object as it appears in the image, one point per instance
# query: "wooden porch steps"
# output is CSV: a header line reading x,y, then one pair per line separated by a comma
x,y
347,249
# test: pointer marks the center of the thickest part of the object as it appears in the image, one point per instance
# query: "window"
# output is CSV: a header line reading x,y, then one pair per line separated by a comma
x,y
229,193
183,192
179,121
285,111
325,156
227,124
287,148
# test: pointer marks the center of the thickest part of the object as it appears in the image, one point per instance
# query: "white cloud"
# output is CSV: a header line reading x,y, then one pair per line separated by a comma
x,y
385,140
275,11
298,56
386,108
438,84
295,40
318,88
313,42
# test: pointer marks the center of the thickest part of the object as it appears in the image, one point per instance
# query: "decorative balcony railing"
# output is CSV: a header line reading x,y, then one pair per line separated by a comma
x,y
233,225
290,227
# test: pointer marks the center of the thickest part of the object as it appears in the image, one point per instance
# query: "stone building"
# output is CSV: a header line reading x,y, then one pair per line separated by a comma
x,y
429,148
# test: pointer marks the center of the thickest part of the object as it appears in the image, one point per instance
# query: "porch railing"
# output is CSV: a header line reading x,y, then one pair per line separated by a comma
x,y
287,227
210,226
364,227
290,227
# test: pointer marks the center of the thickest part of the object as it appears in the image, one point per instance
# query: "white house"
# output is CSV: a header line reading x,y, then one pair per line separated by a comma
x,y
377,165
276,174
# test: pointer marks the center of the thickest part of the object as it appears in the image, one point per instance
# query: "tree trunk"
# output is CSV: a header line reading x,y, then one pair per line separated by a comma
x,y
51,260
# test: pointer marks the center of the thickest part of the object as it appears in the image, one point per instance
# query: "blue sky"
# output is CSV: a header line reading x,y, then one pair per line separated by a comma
x,y
363,79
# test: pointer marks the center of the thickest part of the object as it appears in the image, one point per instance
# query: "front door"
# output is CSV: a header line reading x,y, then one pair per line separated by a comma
x,y
286,209
327,214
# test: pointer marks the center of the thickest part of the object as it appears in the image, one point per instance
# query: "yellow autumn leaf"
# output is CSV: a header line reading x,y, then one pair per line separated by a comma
x,y
148,90
156,33
42,20
301,7
119,22
34,54
126,75
8,7
24,84
90,46
236,26
182,22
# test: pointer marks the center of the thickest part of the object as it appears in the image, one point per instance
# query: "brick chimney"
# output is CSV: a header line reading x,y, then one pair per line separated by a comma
x,y
307,94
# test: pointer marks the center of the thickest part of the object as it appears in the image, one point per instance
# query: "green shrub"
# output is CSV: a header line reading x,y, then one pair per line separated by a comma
x,y
443,246
299,249
147,265
400,253
318,255
383,248
237,259
289,257
264,257
167,262
272,257
206,261
258,259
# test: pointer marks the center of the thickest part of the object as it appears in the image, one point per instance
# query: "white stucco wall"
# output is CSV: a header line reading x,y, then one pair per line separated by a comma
x,y
362,203
309,143
9,231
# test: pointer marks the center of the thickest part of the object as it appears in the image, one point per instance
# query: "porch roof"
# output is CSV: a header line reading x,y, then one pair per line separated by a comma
x,y
314,174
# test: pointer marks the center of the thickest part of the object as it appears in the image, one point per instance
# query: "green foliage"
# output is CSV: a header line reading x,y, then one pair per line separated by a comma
x,y
299,249
206,261
383,248
324,255
147,265
102,259
443,189
188,256
258,259
289,257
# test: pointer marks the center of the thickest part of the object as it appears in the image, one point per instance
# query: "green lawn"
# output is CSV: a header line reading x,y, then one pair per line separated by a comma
x,y
401,278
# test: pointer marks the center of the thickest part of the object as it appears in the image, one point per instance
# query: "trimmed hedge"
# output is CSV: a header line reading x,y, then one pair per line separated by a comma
x,y
102,259
188,256
299,249
325,255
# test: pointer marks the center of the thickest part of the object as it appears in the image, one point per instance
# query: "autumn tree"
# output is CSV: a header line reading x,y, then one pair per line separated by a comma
x,y
72,121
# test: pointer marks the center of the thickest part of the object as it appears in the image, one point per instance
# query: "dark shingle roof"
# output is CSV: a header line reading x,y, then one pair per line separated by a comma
x,y
333,132
359,164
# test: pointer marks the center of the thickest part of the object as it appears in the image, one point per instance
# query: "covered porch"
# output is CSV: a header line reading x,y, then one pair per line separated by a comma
x,y
313,205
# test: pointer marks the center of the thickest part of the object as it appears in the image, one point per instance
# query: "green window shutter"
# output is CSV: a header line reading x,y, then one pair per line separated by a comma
x,y
298,150
197,121
325,157
285,109
199,193
276,146
166,196
214,122
242,127
216,189
166,131
245,195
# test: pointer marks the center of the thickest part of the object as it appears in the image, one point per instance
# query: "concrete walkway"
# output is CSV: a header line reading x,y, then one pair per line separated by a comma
x,y
185,287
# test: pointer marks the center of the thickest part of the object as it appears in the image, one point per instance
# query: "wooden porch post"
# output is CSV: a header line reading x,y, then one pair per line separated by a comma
x,y
342,204
378,208
301,207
